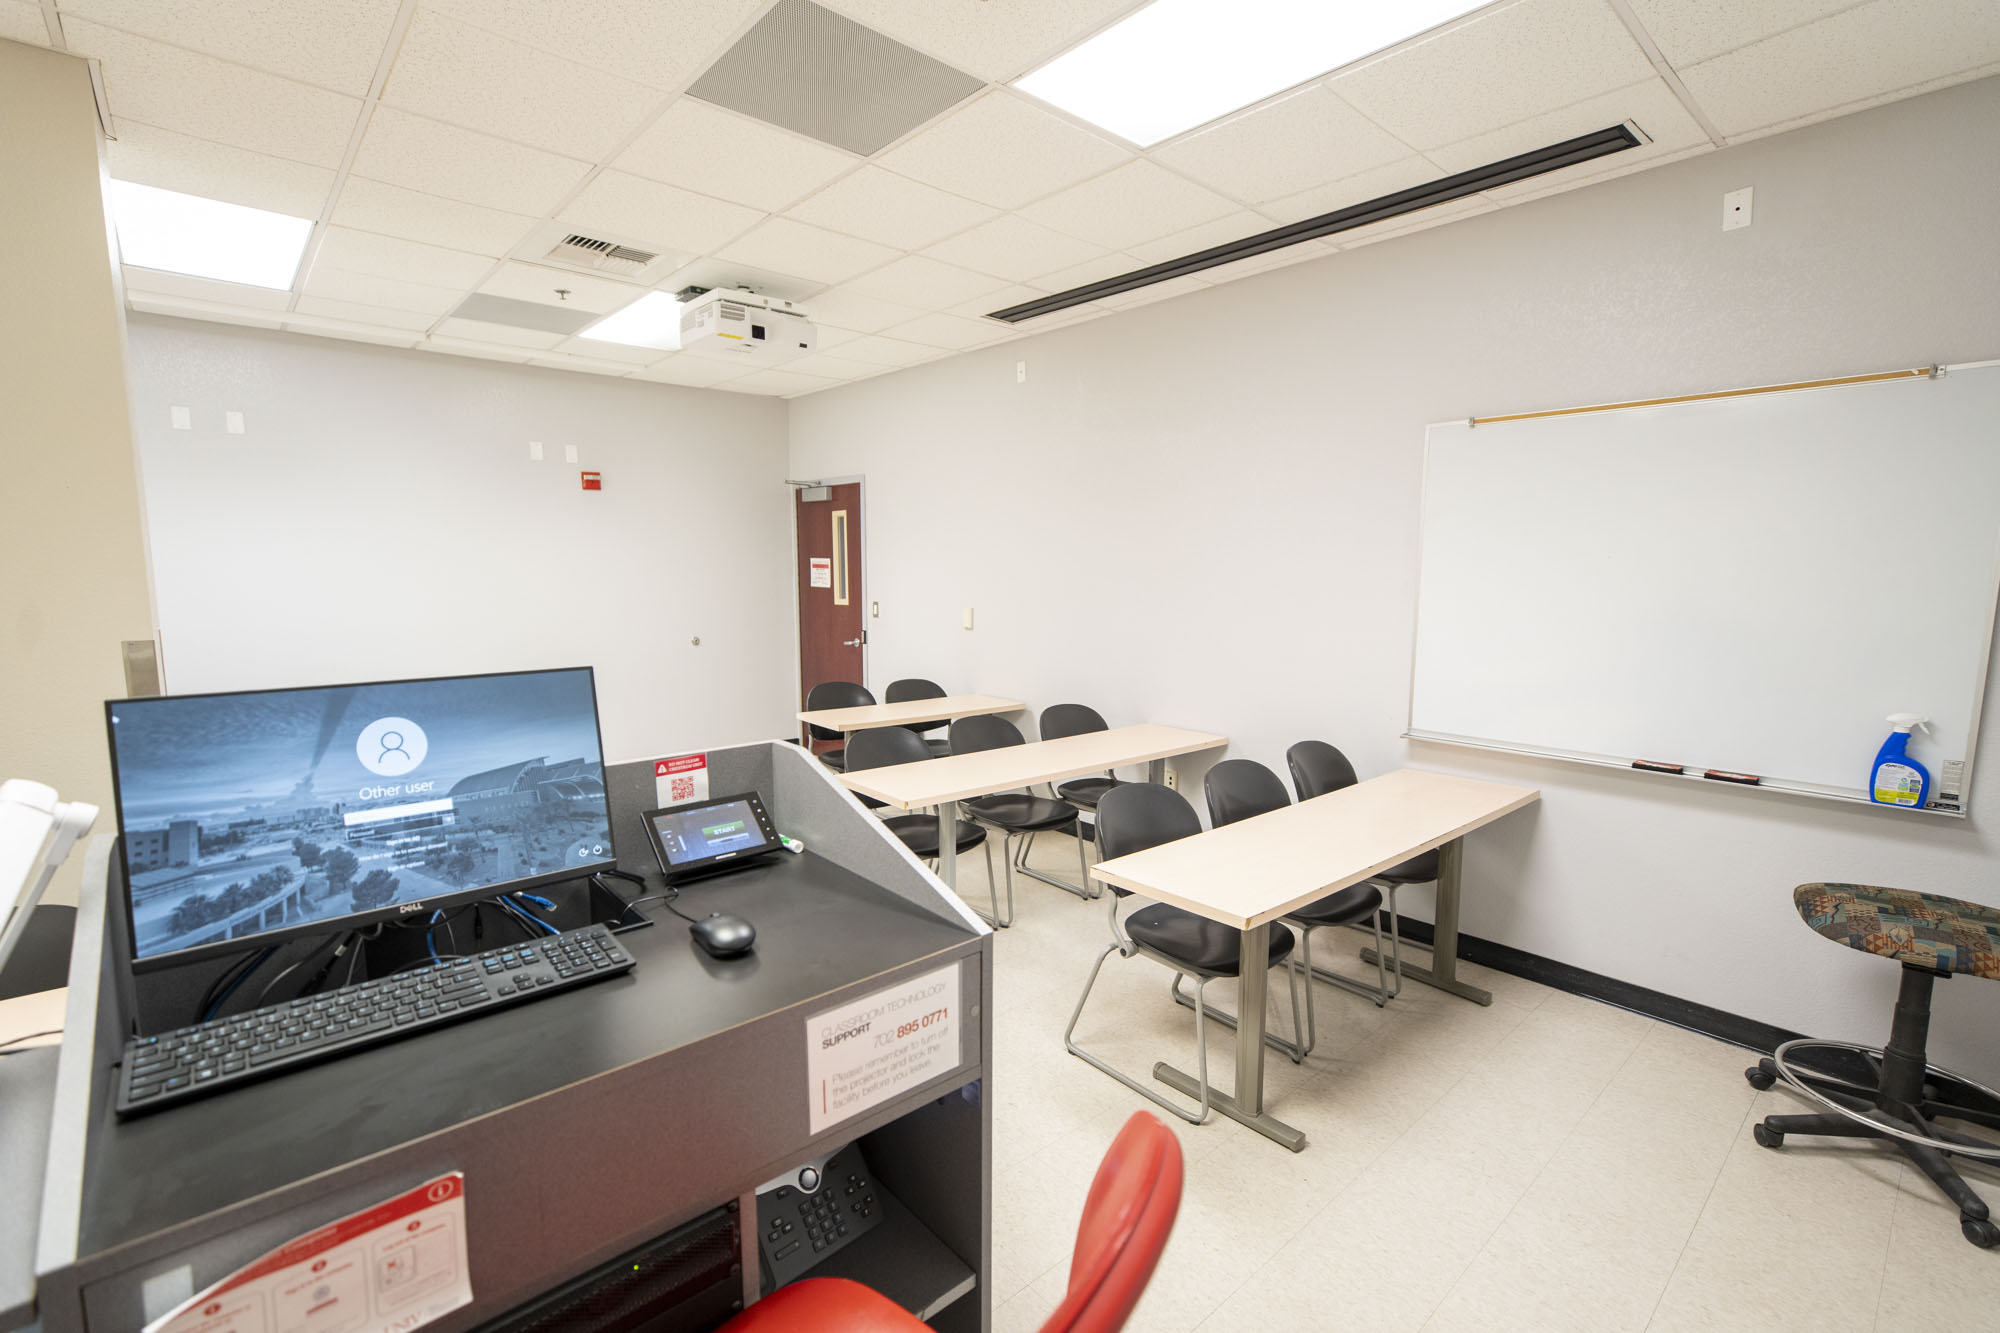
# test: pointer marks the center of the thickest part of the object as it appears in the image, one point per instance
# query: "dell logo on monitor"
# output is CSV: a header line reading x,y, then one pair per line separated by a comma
x,y
411,907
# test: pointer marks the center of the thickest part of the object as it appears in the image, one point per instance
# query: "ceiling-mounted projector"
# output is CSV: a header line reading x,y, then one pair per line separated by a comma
x,y
731,322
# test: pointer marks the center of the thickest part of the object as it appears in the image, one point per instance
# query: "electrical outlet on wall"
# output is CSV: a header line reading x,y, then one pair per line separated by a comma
x,y
1173,778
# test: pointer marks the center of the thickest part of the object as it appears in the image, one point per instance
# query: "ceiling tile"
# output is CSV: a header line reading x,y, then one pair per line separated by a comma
x,y
950,331
1014,248
1232,227
659,216
809,252
780,380
1690,31
463,75
391,210
1303,141
924,283
658,44
1826,67
689,371
379,315
1422,220
1140,201
390,257
20,22
478,330
162,85
1507,64
235,294
485,351
534,282
995,41
331,43
591,365
604,351
1094,270
419,154
212,311
339,284
153,156
834,367
1651,106
1356,189
991,301
1556,182
1001,151
1159,291
322,326
848,309
879,205
888,351
731,157
1270,259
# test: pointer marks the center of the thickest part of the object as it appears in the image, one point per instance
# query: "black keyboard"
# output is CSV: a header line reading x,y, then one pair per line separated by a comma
x,y
171,1067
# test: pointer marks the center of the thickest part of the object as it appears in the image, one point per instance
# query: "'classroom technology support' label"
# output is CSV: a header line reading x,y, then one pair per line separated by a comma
x,y
865,1052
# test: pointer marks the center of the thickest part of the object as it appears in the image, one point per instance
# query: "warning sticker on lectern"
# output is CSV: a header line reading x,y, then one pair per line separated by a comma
x,y
866,1052
398,1265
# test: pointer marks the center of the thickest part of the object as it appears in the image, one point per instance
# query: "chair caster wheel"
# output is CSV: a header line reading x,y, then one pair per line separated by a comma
x,y
1770,1138
1759,1080
1980,1232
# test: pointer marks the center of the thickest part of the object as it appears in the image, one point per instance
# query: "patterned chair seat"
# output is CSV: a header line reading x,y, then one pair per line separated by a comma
x,y
1921,929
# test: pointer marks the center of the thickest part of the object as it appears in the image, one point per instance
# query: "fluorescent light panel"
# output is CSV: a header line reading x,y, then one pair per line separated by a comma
x,y
206,238
1177,64
654,320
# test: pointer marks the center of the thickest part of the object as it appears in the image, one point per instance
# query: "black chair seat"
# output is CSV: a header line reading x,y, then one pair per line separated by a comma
x,y
1086,792
1196,942
1419,869
1022,814
835,760
939,747
1355,903
920,833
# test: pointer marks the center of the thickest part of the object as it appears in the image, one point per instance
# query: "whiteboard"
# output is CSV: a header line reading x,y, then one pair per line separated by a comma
x,y
1747,583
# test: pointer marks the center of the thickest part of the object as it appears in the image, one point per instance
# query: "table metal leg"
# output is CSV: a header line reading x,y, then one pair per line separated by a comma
x,y
1246,1107
1156,772
1443,971
948,844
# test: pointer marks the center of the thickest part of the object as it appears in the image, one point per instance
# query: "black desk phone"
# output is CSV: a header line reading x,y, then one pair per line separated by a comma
x,y
806,1215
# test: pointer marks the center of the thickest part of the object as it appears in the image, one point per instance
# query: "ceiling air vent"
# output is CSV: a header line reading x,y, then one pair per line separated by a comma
x,y
577,251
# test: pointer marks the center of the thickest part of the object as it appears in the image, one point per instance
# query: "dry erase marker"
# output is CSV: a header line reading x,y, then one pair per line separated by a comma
x,y
1658,766
1746,779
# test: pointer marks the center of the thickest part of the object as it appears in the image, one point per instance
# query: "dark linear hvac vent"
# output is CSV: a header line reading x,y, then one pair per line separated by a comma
x,y
1568,153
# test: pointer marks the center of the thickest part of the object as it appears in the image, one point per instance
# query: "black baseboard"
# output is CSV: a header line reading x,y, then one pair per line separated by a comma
x,y
1702,1018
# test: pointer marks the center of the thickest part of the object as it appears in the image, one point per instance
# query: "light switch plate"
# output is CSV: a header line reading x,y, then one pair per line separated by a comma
x,y
534,451
233,422
569,453
182,418
968,617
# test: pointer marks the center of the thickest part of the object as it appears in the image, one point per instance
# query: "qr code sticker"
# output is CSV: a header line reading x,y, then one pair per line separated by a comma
x,y
682,789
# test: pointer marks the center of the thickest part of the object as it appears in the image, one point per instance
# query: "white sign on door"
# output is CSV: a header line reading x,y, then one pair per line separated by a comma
x,y
821,568
865,1052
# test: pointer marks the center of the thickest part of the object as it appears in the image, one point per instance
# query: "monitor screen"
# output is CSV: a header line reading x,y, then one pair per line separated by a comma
x,y
254,816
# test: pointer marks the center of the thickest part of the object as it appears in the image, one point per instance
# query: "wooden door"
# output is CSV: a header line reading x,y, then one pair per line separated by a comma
x,y
830,624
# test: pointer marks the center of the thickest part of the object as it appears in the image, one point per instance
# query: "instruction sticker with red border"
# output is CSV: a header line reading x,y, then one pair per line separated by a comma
x,y
680,779
389,1268
862,1054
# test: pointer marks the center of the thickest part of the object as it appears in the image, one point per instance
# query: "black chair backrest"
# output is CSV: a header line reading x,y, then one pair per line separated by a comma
x,y
1240,788
1138,815
1060,720
880,747
902,691
1318,768
986,732
835,694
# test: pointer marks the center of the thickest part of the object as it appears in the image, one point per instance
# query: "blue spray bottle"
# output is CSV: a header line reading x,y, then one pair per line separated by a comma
x,y
1897,778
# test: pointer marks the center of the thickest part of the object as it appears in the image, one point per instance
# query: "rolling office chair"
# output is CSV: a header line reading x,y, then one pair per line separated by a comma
x,y
835,694
1132,817
1242,788
880,747
902,691
1016,813
1894,1092
1318,768
1127,1218
1060,720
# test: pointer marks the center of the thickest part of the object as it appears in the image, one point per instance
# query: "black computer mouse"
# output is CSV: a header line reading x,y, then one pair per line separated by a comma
x,y
723,936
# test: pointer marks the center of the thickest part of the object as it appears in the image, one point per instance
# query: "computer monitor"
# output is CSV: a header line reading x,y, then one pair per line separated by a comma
x,y
253,817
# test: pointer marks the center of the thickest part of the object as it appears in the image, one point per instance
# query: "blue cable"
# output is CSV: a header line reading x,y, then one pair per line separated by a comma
x,y
430,936
522,918
531,918
537,899
244,976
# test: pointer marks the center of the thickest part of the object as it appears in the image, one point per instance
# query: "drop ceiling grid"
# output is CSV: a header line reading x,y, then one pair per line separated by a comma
x,y
1570,61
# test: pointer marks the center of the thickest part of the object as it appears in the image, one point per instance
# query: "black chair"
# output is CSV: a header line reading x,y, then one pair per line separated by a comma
x,y
1060,720
835,694
915,687
1132,817
1243,788
1016,813
881,747
1318,768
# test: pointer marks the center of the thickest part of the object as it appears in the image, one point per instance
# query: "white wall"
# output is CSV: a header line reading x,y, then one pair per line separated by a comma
x,y
1203,512
380,518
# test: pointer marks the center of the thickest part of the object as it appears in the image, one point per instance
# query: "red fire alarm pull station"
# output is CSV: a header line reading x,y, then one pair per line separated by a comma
x,y
593,481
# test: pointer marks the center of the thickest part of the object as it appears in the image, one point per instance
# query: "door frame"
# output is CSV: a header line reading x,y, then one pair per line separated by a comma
x,y
798,644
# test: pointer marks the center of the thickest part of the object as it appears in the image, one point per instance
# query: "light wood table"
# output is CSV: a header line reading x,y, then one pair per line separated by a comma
x,y
945,782
847,721
1250,873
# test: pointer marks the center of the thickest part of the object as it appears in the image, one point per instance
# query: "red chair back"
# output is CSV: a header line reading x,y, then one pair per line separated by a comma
x,y
1126,1220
